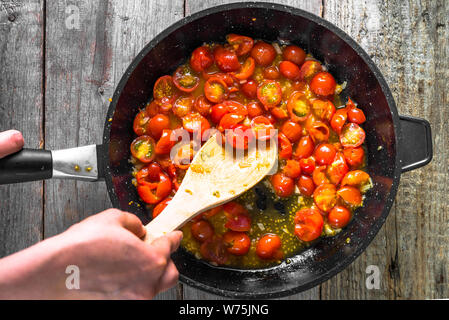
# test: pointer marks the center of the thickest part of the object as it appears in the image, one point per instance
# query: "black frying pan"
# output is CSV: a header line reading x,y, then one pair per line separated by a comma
x,y
395,143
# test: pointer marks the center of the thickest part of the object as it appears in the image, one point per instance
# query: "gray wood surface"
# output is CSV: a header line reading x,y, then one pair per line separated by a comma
x,y
56,81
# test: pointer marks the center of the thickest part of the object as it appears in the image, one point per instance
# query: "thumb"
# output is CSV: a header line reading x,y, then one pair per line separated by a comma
x,y
10,141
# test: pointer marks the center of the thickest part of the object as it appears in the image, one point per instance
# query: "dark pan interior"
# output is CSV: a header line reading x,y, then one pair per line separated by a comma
x,y
345,60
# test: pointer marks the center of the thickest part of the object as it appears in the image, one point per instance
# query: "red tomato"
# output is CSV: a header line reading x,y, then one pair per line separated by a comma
x,y
263,53
201,59
283,185
356,115
239,137
294,54
354,156
217,112
269,93
152,108
337,169
271,73
338,119
279,113
352,135
148,173
306,185
165,88
236,107
285,146
234,208
142,148
289,70
246,70
323,84
269,247
305,147
157,124
325,153
241,44
229,121
184,79
292,169
325,197
356,178
308,224
215,90
249,89
237,243
319,176
212,212
298,107
240,223
202,105
194,122
309,69
323,109
140,124
153,192
183,105
226,59
202,230
262,128
160,207
214,250
254,109
307,165
339,217
292,130
319,131
350,195
165,143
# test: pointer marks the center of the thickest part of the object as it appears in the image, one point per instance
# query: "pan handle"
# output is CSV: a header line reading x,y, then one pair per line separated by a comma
x,y
34,164
416,143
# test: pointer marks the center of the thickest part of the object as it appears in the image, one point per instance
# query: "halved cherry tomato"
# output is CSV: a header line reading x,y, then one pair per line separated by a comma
x,y
183,156
283,185
238,243
308,224
214,250
215,89
285,146
289,70
229,121
352,135
294,54
271,73
323,84
323,109
165,143
165,88
280,113
262,127
217,112
298,107
354,156
292,130
184,79
356,178
152,108
234,208
183,105
306,185
307,165
269,93
142,148
140,124
305,147
324,153
202,105
202,230
226,59
319,176
246,70
148,173
241,44
160,207
356,115
337,169
292,169
249,89
254,109
194,122
269,247
157,124
235,107
239,137
201,59
212,212
339,217
240,223
319,131
325,196
350,195
153,191
338,119
263,53
309,69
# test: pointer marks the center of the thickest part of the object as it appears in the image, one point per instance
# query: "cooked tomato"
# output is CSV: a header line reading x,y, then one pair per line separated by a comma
x,y
269,93
319,176
323,84
246,70
237,243
240,223
289,70
185,80
339,217
306,185
309,69
305,147
356,115
325,153
271,73
226,59
350,195
160,207
269,247
354,156
234,208
201,59
229,121
292,169
263,53
323,109
215,89
325,196
307,165
202,230
165,88
285,146
153,191
152,108
356,178
254,109
214,250
241,44
194,122
165,143
239,137
308,224
298,107
337,169
212,212
319,131
249,89
236,107
157,124
217,112
149,172
202,105
262,128
183,105
352,135
294,54
292,130
142,148
140,124
338,119
283,185
279,113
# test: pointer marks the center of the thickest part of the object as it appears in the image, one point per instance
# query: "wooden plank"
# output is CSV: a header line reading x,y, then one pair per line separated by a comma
x,y
192,6
83,67
408,41
21,107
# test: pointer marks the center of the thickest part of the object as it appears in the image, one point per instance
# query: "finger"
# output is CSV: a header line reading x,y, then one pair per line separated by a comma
x,y
10,141
169,278
168,244
132,223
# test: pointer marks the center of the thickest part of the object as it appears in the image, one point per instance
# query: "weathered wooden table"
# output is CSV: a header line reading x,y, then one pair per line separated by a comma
x,y
61,60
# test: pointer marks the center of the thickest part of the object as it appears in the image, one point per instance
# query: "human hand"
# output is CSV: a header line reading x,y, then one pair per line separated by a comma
x,y
10,141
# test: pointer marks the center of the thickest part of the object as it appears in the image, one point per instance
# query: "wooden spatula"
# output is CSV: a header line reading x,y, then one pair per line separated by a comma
x,y
214,177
